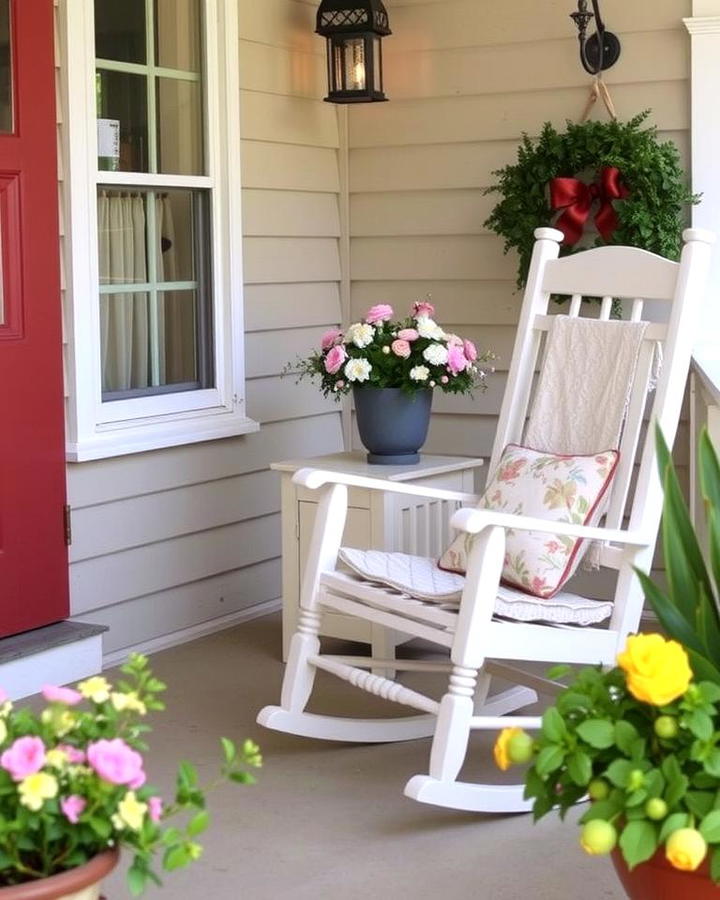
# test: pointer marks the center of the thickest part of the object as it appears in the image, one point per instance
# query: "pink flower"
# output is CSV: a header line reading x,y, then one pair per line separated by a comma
x,y
408,334
4,697
155,808
138,781
334,360
73,807
115,762
75,756
340,384
25,757
444,379
423,308
470,350
456,359
380,313
64,695
401,348
330,338
453,340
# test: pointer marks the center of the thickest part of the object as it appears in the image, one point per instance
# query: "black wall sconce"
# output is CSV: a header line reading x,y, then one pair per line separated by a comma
x,y
354,30
601,50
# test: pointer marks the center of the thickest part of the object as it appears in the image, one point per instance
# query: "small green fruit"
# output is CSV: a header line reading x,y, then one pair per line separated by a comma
x,y
636,780
666,727
598,837
656,809
520,748
598,789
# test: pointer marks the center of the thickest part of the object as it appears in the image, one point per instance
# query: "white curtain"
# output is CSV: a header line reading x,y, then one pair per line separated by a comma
x,y
132,356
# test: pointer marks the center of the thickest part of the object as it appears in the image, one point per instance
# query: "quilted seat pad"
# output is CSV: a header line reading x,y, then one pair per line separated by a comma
x,y
421,577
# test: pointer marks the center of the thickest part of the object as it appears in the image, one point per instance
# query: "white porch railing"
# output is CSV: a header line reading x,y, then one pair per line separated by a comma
x,y
704,412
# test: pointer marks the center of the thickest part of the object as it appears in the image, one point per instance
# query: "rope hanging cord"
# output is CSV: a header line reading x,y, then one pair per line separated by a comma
x,y
599,90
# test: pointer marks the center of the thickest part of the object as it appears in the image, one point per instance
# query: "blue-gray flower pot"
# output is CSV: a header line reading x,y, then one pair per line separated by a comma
x,y
393,425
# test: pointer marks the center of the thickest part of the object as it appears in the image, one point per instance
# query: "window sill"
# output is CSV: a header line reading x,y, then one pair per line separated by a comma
x,y
143,438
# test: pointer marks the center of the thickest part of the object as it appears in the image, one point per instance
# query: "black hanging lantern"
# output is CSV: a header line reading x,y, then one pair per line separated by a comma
x,y
354,30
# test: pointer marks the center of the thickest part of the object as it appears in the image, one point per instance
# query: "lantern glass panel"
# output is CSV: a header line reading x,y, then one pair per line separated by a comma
x,y
355,74
377,64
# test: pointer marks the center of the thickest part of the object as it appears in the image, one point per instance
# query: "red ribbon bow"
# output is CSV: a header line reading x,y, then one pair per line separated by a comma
x,y
577,198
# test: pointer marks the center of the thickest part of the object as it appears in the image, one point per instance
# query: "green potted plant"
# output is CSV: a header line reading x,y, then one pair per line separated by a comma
x,y
73,790
642,740
392,368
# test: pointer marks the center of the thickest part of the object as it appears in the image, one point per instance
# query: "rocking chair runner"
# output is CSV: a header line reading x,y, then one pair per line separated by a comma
x,y
477,640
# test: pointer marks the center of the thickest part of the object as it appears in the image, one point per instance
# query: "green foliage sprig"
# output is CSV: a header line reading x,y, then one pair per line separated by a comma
x,y
651,217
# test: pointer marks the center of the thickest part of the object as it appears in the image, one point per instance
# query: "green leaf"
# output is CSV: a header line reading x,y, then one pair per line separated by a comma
x,y
676,789
553,725
136,880
558,672
229,750
711,763
176,857
672,824
699,802
700,724
624,736
715,865
619,772
638,842
579,766
198,823
601,809
599,733
709,691
710,827
549,759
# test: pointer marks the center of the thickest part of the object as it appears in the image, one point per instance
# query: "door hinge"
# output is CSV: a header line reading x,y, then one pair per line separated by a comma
x,y
67,517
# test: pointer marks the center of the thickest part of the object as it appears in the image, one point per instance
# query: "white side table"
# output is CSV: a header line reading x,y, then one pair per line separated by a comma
x,y
375,520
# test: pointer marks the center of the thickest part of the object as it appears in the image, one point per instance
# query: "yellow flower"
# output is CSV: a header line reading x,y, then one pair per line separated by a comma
x,y
657,671
500,751
56,758
129,701
6,708
130,814
36,789
3,731
96,689
61,720
686,849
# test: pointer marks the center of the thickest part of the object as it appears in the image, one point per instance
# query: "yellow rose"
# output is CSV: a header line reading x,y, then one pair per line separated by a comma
x,y
657,671
500,751
129,701
130,814
686,849
96,689
36,789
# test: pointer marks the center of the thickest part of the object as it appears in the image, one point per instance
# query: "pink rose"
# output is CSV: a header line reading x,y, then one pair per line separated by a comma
x,y
73,807
408,334
64,695
444,379
470,351
138,781
453,340
330,338
25,757
380,313
334,360
401,348
155,808
423,308
116,762
75,756
456,359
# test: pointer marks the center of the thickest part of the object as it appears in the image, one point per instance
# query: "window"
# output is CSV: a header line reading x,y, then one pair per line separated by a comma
x,y
151,173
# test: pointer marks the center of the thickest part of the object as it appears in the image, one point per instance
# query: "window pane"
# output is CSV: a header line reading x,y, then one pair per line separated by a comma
x,y
180,127
6,87
122,104
180,316
120,30
178,31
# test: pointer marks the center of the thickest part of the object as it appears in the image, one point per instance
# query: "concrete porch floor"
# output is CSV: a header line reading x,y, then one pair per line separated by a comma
x,y
330,820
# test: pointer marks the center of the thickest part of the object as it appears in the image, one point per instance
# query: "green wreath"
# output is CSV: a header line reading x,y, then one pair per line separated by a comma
x,y
649,211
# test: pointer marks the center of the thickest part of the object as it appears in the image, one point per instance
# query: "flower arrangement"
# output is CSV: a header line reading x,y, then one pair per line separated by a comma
x,y
73,782
643,739
414,354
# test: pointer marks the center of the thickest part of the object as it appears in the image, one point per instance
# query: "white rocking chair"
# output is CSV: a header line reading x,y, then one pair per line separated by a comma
x,y
478,640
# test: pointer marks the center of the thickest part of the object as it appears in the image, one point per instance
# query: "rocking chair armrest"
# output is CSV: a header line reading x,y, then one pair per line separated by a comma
x,y
472,521
316,478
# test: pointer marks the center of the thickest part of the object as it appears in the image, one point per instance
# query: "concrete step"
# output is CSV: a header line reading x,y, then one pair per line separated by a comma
x,y
55,654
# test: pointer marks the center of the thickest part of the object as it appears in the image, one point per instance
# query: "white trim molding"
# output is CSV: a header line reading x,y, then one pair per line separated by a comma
x,y
95,429
703,24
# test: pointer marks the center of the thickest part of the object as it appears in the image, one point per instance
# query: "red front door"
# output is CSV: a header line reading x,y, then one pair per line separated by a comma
x,y
33,555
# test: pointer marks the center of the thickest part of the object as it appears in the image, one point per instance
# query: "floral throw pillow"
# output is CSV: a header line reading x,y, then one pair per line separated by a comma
x,y
545,486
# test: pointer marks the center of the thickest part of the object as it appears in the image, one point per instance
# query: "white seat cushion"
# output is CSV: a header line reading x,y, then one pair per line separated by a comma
x,y
420,577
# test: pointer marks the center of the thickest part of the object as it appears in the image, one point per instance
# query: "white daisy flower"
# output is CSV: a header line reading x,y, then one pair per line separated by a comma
x,y
420,373
361,334
436,354
357,370
427,328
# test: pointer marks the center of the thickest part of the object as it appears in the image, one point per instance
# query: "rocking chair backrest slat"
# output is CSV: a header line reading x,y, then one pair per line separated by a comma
x,y
634,275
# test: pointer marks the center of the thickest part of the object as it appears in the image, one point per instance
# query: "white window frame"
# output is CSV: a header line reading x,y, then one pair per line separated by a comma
x,y
97,430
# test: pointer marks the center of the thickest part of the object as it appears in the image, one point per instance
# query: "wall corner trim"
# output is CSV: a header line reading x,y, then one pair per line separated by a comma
x,y
703,25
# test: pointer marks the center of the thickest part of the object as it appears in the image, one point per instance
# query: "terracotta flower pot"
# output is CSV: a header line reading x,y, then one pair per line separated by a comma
x,y
82,883
656,879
